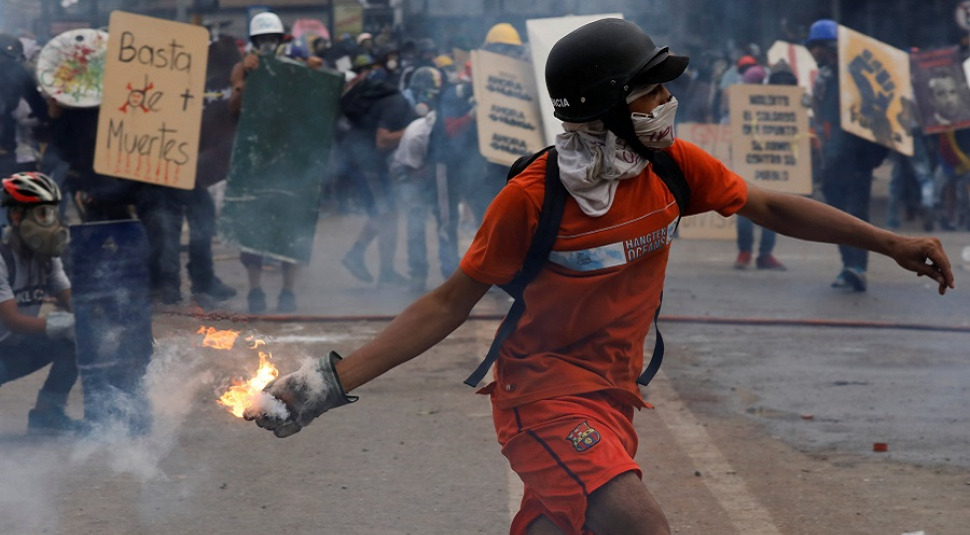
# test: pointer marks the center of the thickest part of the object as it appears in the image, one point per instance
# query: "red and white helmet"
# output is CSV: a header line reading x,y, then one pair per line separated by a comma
x,y
29,188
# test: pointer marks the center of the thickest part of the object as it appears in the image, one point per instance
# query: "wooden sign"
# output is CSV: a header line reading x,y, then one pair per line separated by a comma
x,y
716,140
770,138
874,82
509,123
151,109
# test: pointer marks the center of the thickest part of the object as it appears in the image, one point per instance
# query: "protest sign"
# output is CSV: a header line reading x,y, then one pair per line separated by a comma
x,y
770,138
874,82
509,125
716,140
280,159
543,34
798,59
941,91
151,108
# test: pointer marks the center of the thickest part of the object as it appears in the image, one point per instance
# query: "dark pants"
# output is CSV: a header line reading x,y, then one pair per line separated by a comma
x,y
848,187
32,353
746,237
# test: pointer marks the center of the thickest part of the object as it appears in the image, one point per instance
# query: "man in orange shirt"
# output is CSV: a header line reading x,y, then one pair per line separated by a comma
x,y
565,380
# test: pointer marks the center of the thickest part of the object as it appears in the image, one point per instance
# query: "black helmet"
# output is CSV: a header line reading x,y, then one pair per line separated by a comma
x,y
591,70
11,47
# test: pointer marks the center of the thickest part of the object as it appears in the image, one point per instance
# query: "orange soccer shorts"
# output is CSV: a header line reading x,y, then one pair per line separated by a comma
x,y
563,449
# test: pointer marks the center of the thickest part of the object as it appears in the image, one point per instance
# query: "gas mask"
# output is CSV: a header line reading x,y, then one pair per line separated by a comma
x,y
267,46
42,232
656,129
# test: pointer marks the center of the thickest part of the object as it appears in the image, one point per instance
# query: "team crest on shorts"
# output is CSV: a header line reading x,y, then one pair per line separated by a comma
x,y
583,437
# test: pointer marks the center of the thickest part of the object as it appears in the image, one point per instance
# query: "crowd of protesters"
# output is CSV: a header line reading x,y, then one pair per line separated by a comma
x,y
407,149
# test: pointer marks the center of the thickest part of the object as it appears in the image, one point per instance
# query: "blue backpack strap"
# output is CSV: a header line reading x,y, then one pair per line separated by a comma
x,y
553,203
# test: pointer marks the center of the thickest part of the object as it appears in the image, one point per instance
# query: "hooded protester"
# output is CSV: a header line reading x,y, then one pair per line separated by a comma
x,y
566,377
16,84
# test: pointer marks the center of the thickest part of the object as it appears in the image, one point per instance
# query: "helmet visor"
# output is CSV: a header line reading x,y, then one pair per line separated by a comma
x,y
662,68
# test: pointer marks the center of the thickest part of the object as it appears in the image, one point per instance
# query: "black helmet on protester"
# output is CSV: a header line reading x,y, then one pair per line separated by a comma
x,y
591,70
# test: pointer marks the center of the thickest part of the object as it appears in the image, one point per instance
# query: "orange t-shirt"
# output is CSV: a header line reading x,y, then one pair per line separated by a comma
x,y
589,310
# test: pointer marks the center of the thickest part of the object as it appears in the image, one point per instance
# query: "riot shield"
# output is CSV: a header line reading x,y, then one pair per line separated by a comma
x,y
112,305
280,158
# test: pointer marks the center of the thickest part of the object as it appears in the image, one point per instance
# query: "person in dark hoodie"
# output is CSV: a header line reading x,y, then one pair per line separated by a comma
x,y
377,114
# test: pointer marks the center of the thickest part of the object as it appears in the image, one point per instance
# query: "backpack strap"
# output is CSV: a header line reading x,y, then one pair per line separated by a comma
x,y
544,238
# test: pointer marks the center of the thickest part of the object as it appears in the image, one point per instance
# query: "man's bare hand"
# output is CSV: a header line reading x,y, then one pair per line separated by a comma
x,y
250,62
925,257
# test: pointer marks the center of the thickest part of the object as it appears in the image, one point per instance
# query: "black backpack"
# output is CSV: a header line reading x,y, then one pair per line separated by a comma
x,y
544,238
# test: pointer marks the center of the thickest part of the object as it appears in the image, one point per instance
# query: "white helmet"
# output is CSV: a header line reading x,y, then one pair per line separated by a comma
x,y
265,23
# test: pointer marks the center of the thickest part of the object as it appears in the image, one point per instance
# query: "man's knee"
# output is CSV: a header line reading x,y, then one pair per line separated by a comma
x,y
543,526
624,505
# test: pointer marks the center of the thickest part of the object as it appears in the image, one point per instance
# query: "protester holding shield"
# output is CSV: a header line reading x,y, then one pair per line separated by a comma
x,y
566,376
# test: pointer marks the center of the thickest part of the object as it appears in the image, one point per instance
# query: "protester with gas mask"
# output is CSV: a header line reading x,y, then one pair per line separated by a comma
x,y
566,376
30,271
422,182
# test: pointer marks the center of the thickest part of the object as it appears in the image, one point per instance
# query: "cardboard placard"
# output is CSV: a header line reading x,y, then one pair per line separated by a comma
x,y
874,82
509,123
941,91
770,138
716,140
543,34
280,159
151,108
799,59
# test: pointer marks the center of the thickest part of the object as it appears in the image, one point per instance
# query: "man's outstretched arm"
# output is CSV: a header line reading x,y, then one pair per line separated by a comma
x,y
420,326
811,220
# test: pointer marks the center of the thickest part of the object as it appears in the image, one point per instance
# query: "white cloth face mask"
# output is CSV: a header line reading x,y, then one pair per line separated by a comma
x,y
656,129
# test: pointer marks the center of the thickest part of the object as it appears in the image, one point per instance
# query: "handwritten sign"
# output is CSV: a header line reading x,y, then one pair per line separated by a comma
x,y
151,108
715,139
771,143
874,82
509,124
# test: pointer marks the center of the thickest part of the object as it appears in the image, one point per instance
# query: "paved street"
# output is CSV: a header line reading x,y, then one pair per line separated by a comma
x,y
759,429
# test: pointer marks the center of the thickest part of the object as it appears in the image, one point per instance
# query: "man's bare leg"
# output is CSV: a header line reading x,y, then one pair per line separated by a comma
x,y
625,506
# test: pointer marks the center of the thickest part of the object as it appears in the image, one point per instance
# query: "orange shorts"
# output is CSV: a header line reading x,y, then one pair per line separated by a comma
x,y
563,449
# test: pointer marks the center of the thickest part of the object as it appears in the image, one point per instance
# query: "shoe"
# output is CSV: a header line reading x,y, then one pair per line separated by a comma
x,y
219,290
768,261
170,295
52,421
855,277
354,262
256,301
743,260
286,301
392,278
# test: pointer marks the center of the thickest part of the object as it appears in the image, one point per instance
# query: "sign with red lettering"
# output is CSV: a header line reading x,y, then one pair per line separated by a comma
x,y
151,105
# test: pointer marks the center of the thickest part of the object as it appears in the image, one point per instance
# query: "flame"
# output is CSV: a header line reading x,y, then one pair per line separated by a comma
x,y
242,394
218,339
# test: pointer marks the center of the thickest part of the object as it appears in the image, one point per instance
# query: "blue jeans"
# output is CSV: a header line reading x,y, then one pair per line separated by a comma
x,y
418,197
920,168
848,187
746,237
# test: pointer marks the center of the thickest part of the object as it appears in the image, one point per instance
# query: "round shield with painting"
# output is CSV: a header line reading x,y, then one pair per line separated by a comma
x,y
70,68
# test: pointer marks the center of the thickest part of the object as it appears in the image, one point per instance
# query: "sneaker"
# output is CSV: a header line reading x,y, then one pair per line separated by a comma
x,y
855,278
840,282
170,295
256,301
392,278
286,301
52,421
743,260
219,290
768,261
354,262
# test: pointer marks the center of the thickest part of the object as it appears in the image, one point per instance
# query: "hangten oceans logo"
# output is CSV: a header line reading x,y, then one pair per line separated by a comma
x,y
560,102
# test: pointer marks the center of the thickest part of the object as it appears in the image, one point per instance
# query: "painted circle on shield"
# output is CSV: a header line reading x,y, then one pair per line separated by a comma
x,y
962,15
70,67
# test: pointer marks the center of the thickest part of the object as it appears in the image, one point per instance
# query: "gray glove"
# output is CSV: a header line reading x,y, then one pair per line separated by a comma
x,y
307,393
60,325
